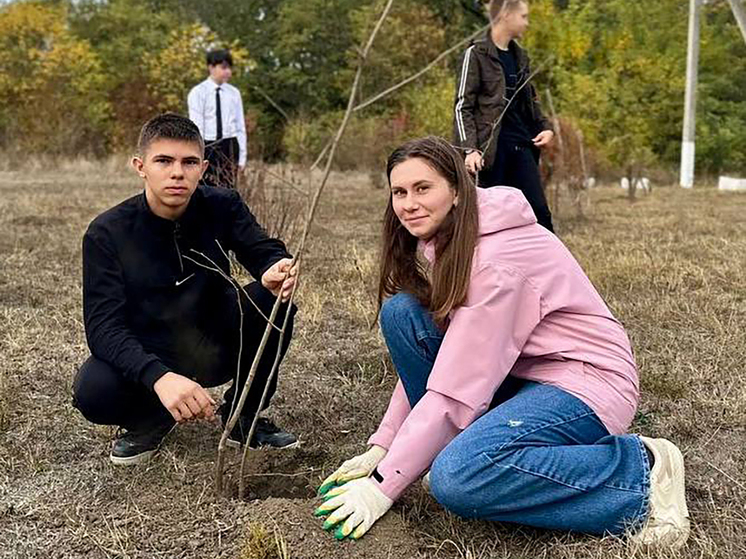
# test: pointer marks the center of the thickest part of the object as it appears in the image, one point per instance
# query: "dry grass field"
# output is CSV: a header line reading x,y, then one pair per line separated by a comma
x,y
672,267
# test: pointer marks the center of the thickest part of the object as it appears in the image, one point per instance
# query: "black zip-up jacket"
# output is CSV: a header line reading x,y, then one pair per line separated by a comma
x,y
148,307
480,97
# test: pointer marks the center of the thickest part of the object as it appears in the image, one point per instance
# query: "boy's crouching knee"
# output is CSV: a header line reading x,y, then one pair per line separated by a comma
x,y
95,387
85,393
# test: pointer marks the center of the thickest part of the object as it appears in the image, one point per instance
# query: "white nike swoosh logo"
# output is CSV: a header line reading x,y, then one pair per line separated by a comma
x,y
179,282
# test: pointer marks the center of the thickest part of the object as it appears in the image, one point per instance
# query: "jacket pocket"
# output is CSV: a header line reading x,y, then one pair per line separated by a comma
x,y
492,94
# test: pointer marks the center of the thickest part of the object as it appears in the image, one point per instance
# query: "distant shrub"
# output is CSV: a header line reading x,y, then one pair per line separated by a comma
x,y
430,107
173,71
364,146
52,95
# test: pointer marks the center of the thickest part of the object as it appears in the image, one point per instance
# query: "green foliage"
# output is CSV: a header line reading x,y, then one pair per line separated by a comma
x,y
305,137
122,32
91,71
429,108
365,145
311,48
619,69
174,70
721,125
368,142
51,84
614,76
410,37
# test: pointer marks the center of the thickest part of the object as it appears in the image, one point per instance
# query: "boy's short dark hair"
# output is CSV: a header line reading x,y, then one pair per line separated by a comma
x,y
216,57
169,126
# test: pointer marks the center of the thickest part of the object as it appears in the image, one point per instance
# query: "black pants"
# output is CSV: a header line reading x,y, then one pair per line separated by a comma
x,y
104,396
223,158
518,166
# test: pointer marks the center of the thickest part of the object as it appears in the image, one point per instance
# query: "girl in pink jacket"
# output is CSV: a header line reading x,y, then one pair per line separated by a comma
x,y
517,384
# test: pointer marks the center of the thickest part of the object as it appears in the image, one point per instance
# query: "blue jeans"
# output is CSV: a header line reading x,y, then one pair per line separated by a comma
x,y
540,456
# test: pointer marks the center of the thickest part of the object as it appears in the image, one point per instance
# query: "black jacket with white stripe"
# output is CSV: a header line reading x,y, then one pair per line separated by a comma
x,y
481,99
150,304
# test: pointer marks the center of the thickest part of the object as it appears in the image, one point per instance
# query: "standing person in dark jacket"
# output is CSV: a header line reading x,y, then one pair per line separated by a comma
x,y
495,70
161,319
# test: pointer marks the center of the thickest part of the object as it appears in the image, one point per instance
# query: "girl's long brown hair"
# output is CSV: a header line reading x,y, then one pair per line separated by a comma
x,y
455,240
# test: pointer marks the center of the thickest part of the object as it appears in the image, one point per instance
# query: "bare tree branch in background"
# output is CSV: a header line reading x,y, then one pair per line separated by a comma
x,y
329,151
406,81
270,100
297,259
559,163
424,70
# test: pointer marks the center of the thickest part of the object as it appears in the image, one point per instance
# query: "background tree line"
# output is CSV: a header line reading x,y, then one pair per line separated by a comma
x,y
79,77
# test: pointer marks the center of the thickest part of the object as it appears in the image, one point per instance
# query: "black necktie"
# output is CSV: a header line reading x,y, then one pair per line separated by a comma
x,y
218,115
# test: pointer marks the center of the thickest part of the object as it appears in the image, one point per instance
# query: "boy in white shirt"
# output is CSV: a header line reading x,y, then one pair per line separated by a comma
x,y
216,108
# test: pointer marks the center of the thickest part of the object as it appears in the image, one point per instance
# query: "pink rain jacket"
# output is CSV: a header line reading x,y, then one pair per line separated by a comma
x,y
530,312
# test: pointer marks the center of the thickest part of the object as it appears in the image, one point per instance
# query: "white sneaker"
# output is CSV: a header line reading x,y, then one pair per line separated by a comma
x,y
425,481
668,521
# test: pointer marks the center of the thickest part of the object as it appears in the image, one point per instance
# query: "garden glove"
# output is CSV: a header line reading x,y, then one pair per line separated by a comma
x,y
359,466
357,505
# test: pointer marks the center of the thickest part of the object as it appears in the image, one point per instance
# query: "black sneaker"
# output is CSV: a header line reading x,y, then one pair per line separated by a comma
x,y
136,446
266,434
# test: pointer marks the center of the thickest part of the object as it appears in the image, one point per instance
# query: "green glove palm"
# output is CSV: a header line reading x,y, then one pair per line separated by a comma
x,y
353,508
354,468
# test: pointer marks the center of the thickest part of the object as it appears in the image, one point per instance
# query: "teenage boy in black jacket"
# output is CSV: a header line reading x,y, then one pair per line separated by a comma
x,y
162,323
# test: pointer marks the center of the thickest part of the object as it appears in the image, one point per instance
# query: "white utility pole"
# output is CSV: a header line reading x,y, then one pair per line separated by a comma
x,y
690,105
740,12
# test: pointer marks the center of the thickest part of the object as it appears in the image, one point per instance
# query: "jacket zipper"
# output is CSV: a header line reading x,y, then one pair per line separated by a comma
x,y
177,234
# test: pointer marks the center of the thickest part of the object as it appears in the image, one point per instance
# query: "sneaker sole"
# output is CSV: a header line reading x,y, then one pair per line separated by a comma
x,y
133,460
139,458
671,506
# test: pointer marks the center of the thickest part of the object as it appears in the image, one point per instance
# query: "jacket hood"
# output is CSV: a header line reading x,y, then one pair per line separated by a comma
x,y
502,207
499,208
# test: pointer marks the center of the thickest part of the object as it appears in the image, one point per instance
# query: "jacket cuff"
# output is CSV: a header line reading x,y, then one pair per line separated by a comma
x,y
383,440
392,483
152,372
274,261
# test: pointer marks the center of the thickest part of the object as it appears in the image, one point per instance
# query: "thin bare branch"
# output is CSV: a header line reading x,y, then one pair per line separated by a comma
x,y
236,412
270,100
406,81
419,73
296,261
229,279
345,120
236,287
559,172
288,182
268,383
321,155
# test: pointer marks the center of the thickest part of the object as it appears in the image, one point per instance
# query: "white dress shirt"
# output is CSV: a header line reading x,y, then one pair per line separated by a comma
x,y
201,102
